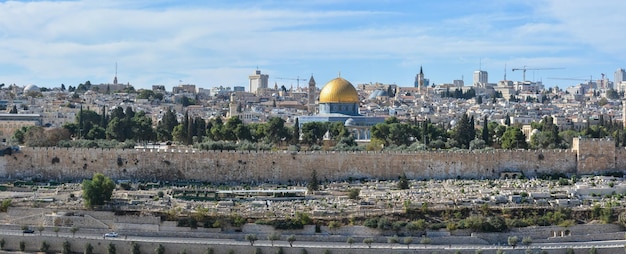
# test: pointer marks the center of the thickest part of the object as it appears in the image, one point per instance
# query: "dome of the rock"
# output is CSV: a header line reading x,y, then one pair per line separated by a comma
x,y
339,90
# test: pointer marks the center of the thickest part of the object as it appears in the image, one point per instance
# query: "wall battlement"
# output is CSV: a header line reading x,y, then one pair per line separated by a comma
x,y
70,164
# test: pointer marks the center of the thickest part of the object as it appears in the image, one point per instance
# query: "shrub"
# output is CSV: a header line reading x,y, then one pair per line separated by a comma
x,y
354,193
89,249
44,247
67,247
111,249
384,223
371,223
135,248
392,239
368,242
408,241
334,225
527,240
5,205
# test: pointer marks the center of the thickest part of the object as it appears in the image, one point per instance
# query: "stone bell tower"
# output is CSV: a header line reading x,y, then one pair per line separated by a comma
x,y
312,95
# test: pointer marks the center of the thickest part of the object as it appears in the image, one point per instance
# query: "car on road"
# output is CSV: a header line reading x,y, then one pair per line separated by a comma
x,y
111,234
28,231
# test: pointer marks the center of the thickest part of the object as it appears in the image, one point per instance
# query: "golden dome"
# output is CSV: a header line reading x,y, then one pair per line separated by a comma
x,y
339,90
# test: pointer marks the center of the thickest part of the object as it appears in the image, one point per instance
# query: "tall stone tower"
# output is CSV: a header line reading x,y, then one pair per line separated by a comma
x,y
594,155
419,81
312,93
233,106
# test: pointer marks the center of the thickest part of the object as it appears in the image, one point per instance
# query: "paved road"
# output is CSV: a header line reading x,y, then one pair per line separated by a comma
x,y
325,245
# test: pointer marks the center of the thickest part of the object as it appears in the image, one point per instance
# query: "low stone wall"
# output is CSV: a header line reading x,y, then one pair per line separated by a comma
x,y
360,231
138,219
135,227
576,233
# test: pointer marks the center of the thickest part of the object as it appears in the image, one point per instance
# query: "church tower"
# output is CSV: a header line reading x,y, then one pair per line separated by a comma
x,y
312,93
419,81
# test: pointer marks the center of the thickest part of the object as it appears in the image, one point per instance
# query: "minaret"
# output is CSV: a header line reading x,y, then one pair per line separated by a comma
x,y
420,81
233,105
115,78
312,94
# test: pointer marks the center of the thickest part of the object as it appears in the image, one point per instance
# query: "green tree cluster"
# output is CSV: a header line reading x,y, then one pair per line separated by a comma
x,y
547,135
98,190
464,131
514,138
119,125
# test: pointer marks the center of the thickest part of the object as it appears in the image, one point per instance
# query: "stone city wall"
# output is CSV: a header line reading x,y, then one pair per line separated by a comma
x,y
596,155
64,164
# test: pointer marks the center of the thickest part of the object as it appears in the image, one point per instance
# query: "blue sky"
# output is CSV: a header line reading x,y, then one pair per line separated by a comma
x,y
213,43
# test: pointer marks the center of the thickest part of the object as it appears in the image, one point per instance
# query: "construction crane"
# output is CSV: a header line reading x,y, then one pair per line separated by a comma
x,y
298,79
524,69
579,79
588,81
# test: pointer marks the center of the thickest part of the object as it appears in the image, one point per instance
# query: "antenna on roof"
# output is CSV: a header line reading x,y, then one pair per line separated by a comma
x,y
504,71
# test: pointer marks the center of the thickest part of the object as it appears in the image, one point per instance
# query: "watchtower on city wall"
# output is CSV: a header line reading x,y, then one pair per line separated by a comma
x,y
597,155
64,164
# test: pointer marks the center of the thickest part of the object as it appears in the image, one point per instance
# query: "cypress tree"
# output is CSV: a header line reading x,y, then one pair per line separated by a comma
x,y
103,120
295,138
187,125
485,132
80,122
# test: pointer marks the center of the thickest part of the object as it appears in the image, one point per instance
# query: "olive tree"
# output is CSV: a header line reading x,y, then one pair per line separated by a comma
x,y
98,190
251,238
291,239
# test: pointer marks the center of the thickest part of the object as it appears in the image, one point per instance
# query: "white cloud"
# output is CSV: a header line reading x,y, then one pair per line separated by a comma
x,y
157,42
